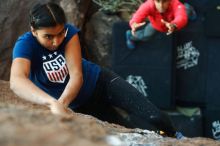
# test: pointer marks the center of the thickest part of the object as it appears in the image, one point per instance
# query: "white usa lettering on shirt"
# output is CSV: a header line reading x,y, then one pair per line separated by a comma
x,y
55,69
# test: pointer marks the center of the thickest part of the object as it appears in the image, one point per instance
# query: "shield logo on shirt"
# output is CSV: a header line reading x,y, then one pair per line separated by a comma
x,y
56,69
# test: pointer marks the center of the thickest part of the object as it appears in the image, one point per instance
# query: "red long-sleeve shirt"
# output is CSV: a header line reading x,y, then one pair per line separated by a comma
x,y
176,13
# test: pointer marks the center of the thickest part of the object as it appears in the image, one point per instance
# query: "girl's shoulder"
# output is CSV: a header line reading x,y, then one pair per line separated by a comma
x,y
26,37
71,28
24,46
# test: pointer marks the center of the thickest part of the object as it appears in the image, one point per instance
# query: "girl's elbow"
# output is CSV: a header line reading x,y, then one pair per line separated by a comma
x,y
12,85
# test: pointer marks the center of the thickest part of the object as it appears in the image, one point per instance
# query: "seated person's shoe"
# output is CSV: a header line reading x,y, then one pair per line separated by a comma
x,y
179,135
190,12
130,43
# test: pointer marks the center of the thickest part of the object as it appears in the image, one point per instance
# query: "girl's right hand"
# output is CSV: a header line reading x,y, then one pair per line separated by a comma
x,y
58,109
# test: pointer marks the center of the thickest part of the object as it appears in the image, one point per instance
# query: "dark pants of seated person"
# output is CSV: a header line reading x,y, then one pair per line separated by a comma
x,y
113,91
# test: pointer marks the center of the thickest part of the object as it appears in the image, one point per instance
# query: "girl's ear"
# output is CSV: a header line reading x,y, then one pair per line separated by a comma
x,y
33,31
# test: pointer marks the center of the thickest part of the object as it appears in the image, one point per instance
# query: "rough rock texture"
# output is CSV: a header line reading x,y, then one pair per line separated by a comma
x,y
98,37
76,11
25,124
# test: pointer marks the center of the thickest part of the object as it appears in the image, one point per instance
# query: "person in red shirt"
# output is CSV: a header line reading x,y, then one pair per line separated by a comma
x,y
164,16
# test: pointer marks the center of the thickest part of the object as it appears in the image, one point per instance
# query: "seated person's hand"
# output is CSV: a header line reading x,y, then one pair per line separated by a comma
x,y
170,26
135,26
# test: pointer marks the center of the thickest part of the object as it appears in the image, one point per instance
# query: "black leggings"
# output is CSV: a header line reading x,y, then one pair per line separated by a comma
x,y
113,94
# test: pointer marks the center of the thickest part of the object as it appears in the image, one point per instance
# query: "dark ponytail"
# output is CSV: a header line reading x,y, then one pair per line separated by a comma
x,y
46,15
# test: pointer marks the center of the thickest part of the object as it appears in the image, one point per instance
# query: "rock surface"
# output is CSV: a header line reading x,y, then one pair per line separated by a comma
x,y
25,124
98,37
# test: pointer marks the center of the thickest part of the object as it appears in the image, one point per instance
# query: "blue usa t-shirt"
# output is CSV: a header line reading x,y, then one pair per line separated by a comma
x,y
49,70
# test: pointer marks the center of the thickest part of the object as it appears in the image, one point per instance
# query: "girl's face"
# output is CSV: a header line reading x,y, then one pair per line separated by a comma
x,y
162,5
50,37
